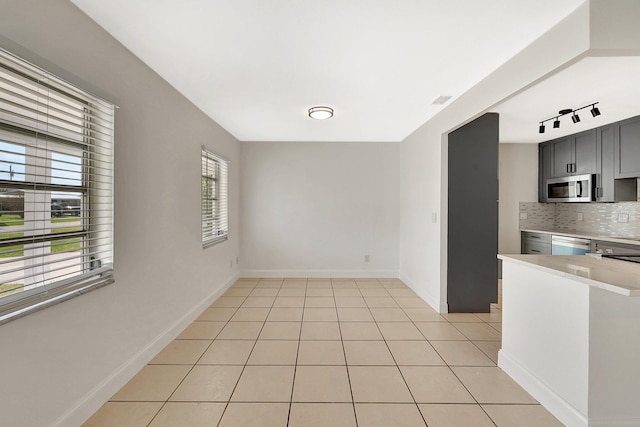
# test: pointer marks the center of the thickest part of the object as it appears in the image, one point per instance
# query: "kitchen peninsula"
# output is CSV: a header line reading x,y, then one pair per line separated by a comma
x,y
571,335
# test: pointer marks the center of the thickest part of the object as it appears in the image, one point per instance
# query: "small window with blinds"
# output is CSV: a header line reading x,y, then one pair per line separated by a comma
x,y
215,221
56,189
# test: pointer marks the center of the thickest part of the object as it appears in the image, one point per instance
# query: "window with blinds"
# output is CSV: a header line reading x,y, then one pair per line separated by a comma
x,y
215,222
56,189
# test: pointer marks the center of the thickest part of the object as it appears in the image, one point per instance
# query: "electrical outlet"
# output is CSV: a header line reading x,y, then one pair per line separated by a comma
x,y
523,215
237,260
230,263
580,216
623,217
366,258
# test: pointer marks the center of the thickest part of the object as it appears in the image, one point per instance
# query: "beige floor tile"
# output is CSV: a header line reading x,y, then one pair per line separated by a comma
x,y
181,352
255,415
380,302
521,416
494,316
327,331
241,331
251,314
393,284
319,302
314,314
270,283
492,385
411,302
368,353
207,383
355,315
264,384
124,414
389,315
490,348
320,292
245,283
281,331
347,292
461,353
355,301
292,292
401,292
153,383
202,330
237,292
375,292
435,384
424,315
388,415
267,352
400,331
217,314
319,284
321,384
461,317
264,292
360,331
439,331
321,353
192,414
295,282
478,331
289,302
455,415
343,283
322,415
228,302
496,326
378,384
258,301
227,352
419,353
285,314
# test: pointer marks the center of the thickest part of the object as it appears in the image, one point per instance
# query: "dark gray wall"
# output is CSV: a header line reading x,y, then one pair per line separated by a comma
x,y
472,267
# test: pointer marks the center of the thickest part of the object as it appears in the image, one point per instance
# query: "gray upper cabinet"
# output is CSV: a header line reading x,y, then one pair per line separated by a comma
x,y
544,170
604,176
627,148
574,154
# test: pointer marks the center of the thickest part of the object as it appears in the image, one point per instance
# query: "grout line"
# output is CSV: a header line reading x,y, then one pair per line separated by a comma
x,y
295,367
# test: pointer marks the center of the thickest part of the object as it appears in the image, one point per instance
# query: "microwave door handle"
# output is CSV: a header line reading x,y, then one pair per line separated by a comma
x,y
579,189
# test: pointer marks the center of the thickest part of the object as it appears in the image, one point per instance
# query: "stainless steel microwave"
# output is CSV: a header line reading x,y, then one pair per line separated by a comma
x,y
577,188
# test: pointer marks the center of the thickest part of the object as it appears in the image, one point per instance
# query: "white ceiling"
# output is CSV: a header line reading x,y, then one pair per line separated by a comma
x,y
256,66
611,81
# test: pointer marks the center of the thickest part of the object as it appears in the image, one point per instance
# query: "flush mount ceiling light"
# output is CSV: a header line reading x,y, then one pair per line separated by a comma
x,y
574,117
320,113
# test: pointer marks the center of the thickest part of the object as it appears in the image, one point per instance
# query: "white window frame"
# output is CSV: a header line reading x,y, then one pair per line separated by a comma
x,y
49,118
214,197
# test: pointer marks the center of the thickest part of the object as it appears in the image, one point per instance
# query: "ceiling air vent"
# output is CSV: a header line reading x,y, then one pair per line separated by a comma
x,y
441,100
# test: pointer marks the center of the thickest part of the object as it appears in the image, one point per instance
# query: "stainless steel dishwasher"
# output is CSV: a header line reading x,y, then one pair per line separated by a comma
x,y
564,245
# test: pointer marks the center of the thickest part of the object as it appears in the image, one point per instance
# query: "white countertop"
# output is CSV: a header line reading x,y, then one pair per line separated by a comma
x,y
621,277
592,235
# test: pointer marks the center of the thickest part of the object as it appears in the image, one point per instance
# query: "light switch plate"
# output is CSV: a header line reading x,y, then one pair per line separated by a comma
x,y
580,216
623,217
523,215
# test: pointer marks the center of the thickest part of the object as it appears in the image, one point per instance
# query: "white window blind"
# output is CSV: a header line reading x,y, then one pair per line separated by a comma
x,y
56,189
214,183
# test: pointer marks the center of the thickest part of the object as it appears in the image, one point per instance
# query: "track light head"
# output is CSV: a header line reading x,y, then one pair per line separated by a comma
x,y
575,118
556,123
595,112
541,128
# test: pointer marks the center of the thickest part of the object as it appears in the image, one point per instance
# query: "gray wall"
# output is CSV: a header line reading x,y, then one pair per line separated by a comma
x,y
59,364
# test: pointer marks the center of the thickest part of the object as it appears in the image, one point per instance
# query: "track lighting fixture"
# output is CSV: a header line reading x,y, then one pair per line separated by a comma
x,y
575,118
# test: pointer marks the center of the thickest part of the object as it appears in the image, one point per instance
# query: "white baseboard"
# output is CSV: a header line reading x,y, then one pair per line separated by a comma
x,y
93,400
553,402
337,274
427,297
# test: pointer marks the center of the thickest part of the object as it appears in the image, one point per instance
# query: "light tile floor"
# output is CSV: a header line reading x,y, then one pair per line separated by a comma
x,y
327,352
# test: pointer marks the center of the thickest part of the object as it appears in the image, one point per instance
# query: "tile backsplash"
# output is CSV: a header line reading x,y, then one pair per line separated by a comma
x,y
615,219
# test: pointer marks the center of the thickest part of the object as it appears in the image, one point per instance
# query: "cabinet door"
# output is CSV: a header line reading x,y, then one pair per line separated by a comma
x,y
561,156
544,170
627,148
585,157
604,175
